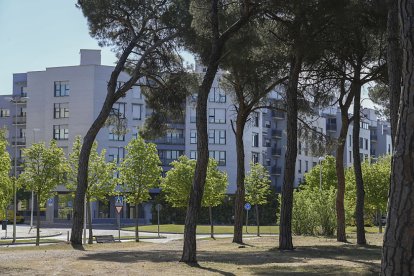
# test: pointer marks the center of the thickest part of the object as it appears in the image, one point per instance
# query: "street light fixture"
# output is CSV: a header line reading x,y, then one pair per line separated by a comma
x,y
320,172
15,100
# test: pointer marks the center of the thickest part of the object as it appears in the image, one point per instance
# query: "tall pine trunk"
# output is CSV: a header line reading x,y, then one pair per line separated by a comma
x,y
257,220
136,222
89,217
285,236
340,172
210,213
398,253
394,63
240,191
360,193
38,221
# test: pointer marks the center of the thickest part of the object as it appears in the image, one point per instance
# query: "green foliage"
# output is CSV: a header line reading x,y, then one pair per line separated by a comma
x,y
257,184
44,169
177,183
376,177
101,182
329,179
314,211
6,187
140,170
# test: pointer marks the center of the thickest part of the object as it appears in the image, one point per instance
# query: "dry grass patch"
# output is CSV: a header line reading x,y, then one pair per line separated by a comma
x,y
313,256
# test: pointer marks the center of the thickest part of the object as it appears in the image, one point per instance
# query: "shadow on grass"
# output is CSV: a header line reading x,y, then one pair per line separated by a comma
x,y
196,265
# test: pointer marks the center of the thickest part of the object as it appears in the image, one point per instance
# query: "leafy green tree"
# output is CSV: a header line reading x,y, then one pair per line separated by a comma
x,y
177,185
44,169
257,188
139,172
101,181
6,185
313,177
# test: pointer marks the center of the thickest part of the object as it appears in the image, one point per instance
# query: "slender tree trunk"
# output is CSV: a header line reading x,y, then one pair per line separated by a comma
x,y
359,211
379,215
240,191
210,212
340,172
398,253
38,221
136,222
285,236
394,63
257,220
89,217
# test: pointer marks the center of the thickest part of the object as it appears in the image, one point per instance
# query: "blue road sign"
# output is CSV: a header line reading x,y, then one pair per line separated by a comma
x,y
50,202
247,206
119,201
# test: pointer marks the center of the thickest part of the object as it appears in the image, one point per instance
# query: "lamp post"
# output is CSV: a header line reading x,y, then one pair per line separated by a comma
x,y
32,202
15,100
320,172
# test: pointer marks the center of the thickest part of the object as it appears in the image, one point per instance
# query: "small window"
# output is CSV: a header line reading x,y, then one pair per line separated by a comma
x,y
136,111
60,110
255,157
60,132
255,140
61,88
193,136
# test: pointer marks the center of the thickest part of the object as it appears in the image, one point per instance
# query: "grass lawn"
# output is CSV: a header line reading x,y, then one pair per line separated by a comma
x,y
259,256
224,229
24,241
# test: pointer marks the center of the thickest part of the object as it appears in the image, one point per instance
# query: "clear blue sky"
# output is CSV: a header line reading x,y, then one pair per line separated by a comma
x,y
36,34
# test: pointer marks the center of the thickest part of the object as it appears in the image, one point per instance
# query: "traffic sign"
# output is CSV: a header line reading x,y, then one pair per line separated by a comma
x,y
119,201
158,207
50,202
118,209
247,206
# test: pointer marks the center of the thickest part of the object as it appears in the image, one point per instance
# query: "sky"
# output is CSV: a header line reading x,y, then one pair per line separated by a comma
x,y
36,34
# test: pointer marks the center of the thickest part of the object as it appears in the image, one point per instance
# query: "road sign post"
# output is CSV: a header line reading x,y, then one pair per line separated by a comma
x,y
247,206
119,203
158,207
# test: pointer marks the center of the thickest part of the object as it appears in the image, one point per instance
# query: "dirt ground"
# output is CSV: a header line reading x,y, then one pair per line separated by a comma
x,y
312,256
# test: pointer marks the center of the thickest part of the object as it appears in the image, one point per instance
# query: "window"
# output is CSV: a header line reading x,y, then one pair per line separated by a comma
x,y
306,149
135,132
361,143
389,148
366,156
217,95
217,136
306,166
136,111
313,164
255,157
61,88
300,147
60,110
116,154
300,166
350,156
116,137
175,136
193,154
364,125
366,144
193,136
267,162
255,139
350,140
60,132
119,109
266,142
256,119
193,115
220,156
217,115
136,92
4,112
167,156
268,124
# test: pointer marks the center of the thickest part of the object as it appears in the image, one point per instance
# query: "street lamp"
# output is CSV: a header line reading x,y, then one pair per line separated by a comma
x,y
320,172
32,203
15,100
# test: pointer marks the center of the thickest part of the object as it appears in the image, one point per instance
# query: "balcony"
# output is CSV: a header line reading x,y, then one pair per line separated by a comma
x,y
19,119
167,162
275,170
169,141
373,137
276,133
18,141
331,127
278,115
276,151
19,161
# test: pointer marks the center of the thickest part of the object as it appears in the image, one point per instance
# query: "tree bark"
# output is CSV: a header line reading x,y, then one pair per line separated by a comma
x,y
257,220
240,191
136,222
38,220
340,172
394,64
359,210
398,253
285,237
89,217
210,212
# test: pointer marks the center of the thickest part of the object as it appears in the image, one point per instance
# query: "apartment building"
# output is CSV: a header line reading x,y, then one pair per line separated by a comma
x,y
62,102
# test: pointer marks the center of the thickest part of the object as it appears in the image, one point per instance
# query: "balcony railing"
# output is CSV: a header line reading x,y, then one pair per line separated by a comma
x,y
169,141
19,161
18,141
19,119
276,151
278,114
277,133
373,137
276,170
330,127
